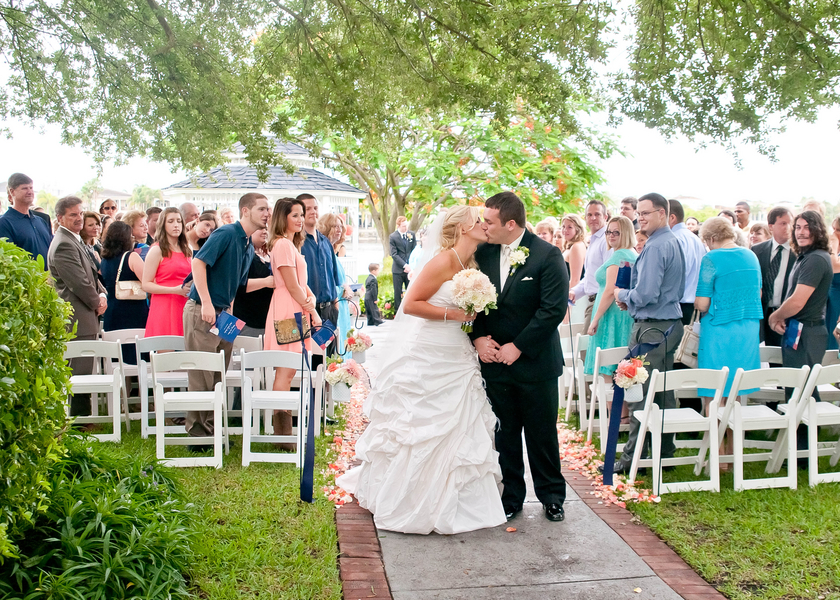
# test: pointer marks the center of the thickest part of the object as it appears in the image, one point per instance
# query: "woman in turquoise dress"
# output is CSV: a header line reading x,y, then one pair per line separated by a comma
x,y
610,326
729,295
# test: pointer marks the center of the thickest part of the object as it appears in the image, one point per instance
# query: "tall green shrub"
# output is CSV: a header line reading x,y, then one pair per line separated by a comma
x,y
33,388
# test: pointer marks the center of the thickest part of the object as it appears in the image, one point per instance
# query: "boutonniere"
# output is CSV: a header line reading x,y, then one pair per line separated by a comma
x,y
409,237
518,258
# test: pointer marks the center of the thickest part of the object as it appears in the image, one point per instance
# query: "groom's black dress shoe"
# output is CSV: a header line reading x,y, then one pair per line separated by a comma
x,y
512,511
554,512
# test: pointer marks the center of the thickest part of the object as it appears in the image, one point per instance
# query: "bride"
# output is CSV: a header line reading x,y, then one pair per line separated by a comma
x,y
428,462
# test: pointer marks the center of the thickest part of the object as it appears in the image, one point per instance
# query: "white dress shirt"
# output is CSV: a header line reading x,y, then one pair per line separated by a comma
x,y
504,259
779,284
693,253
596,255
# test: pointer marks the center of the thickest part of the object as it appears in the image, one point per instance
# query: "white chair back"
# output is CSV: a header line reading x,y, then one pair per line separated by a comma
x,y
603,357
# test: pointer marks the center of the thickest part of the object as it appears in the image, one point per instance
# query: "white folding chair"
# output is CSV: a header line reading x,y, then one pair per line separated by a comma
x,y
741,418
566,382
602,393
255,400
815,415
214,400
660,421
159,343
109,384
126,337
234,372
582,381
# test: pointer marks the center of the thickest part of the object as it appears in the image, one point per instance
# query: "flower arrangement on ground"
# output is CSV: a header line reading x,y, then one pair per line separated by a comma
x,y
630,372
473,293
357,341
343,371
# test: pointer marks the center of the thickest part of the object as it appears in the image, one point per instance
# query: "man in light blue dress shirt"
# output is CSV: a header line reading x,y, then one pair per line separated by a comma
x,y
657,283
596,255
693,251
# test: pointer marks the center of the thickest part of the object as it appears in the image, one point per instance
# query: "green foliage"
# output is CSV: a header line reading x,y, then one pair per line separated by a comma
x,y
386,290
143,197
33,389
90,192
117,527
47,201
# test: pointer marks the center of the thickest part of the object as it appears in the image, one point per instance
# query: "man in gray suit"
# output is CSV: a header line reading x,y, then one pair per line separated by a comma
x,y
75,280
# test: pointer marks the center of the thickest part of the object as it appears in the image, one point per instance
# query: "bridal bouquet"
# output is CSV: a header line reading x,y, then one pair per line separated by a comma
x,y
341,371
358,341
630,372
473,293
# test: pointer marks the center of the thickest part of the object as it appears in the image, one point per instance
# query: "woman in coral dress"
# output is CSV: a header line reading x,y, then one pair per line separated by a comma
x,y
291,293
167,265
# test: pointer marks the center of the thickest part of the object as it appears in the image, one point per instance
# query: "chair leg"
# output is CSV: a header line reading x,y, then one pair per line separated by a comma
x,y
714,450
701,456
655,455
738,454
637,451
836,456
247,417
777,455
218,415
791,453
160,432
813,456
591,419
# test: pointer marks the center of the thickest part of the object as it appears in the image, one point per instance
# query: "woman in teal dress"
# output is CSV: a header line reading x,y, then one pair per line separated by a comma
x,y
610,326
729,293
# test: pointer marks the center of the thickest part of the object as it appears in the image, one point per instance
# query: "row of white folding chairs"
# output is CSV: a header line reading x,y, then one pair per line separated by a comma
x,y
800,408
106,380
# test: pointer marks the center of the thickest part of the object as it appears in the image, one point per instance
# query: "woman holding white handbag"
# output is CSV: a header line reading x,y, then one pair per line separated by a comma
x,y
122,273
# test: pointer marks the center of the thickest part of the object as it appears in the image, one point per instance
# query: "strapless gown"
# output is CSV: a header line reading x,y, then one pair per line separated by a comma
x,y
428,462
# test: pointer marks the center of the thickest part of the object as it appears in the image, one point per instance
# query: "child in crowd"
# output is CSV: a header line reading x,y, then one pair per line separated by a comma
x,y
371,294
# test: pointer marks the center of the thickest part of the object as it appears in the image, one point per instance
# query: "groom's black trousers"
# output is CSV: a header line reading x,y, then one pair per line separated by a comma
x,y
532,406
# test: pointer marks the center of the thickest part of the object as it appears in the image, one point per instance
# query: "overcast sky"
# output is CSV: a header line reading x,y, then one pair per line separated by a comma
x,y
806,166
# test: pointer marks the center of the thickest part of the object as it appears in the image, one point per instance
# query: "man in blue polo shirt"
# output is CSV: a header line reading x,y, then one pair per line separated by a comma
x,y
218,270
20,225
321,265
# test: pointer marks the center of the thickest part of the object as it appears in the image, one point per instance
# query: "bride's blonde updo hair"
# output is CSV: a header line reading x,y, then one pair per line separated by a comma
x,y
451,231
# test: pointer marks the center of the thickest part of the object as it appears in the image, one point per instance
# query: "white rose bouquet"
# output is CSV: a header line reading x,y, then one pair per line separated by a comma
x,y
473,293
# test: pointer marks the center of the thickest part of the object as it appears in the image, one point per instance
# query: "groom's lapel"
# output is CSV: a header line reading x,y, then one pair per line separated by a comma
x,y
517,275
491,265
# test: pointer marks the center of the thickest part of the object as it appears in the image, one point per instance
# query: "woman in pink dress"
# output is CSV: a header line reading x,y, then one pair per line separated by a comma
x,y
167,265
291,293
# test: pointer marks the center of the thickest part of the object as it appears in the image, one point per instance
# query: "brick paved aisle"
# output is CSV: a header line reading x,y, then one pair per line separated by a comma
x,y
597,552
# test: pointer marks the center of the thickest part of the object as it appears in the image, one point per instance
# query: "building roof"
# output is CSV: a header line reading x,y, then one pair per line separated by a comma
x,y
244,177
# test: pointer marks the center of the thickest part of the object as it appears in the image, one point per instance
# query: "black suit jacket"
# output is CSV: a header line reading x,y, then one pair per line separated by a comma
x,y
401,250
371,289
529,310
762,252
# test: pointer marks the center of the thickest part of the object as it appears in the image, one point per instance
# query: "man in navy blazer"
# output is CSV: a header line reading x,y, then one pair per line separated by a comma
x,y
402,242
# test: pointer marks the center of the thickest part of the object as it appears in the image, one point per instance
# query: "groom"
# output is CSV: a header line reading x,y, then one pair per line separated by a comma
x,y
519,348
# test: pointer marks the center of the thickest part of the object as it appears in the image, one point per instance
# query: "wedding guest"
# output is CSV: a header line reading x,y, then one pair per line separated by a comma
x,y
218,269
321,265
119,216
226,215
611,326
806,300
374,317
340,248
596,255
729,215
291,293
759,232
108,208
254,298
401,242
545,230
729,296
641,239
139,230
167,266
693,252
558,240
190,212
742,217
200,230
832,309
75,281
152,216
629,206
20,225
332,228
90,236
776,260
106,221
656,285
693,225
120,262
574,246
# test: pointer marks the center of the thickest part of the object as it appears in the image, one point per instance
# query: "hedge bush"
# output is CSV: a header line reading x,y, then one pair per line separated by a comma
x,y
117,527
33,388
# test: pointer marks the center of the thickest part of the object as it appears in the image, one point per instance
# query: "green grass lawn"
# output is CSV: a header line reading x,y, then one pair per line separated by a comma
x,y
776,544
254,538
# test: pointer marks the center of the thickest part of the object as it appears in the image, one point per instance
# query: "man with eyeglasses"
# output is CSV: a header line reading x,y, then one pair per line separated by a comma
x,y
657,283
742,214
596,255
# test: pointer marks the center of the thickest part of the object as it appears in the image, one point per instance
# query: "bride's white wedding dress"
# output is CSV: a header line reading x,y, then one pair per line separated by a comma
x,y
428,462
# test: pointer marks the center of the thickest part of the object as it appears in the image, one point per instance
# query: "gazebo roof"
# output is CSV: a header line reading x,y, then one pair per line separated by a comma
x,y
284,148
245,177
